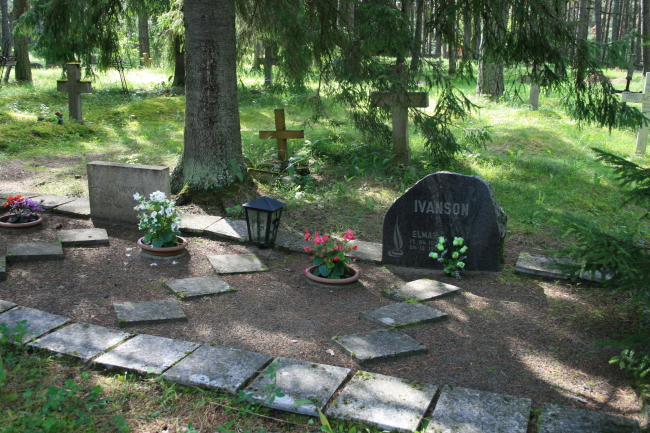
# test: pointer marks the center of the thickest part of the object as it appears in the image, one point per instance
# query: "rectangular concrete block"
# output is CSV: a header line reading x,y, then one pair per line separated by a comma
x,y
236,263
111,186
387,402
403,314
82,237
421,290
36,322
299,380
34,251
380,345
236,230
6,305
197,223
366,251
77,208
51,201
149,312
198,287
146,354
81,340
560,419
217,367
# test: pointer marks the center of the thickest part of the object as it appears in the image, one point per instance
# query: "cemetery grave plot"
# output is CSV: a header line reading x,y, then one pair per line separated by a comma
x,y
505,333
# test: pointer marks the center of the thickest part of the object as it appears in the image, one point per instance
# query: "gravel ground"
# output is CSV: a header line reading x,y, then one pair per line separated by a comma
x,y
506,333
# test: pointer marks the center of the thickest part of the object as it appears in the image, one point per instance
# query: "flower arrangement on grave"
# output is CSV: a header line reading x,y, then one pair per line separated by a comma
x,y
452,260
328,257
23,209
158,218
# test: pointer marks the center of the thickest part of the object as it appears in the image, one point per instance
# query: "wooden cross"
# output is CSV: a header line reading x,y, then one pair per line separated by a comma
x,y
146,60
400,103
642,98
75,87
281,134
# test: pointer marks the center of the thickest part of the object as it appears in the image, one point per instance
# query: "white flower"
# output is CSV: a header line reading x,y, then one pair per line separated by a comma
x,y
136,196
153,214
157,196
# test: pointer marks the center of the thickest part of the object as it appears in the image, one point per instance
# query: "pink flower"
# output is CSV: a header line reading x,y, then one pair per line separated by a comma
x,y
349,235
308,249
306,271
354,247
336,258
307,235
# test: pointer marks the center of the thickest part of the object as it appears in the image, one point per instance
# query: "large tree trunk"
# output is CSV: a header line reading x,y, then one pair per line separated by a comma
x,y
645,31
212,135
417,44
23,68
5,49
179,62
490,79
143,34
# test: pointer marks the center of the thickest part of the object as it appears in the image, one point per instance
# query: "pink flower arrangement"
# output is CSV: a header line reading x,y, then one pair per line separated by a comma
x,y
329,254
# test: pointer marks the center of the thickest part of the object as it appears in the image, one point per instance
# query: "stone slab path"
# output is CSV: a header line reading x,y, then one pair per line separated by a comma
x,y
51,201
198,287
403,314
546,266
235,230
379,345
77,208
236,263
421,290
149,312
197,223
82,237
387,402
34,251
384,401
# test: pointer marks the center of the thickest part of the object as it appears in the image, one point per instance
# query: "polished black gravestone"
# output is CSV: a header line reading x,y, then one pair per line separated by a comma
x,y
450,205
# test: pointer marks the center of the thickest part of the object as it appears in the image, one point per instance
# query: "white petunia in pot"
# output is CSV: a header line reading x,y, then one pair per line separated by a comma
x,y
158,219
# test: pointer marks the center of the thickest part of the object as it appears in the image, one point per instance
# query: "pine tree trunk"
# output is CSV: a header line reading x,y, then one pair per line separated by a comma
x,y
417,44
212,134
490,79
23,69
645,31
143,35
5,49
179,63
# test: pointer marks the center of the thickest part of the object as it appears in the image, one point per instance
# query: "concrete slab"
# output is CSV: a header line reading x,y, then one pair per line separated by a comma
x,y
197,287
197,223
81,340
79,207
3,268
217,367
34,251
560,419
463,410
403,314
366,251
149,312
226,228
421,290
546,266
299,245
6,305
50,201
146,354
380,345
284,239
37,322
82,237
236,263
387,402
299,380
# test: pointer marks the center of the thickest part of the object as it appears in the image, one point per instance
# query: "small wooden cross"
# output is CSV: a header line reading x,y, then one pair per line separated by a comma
x,y
400,103
75,87
146,60
643,99
281,134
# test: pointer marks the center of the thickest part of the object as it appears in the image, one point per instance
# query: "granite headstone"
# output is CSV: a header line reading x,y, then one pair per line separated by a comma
x,y
111,187
450,205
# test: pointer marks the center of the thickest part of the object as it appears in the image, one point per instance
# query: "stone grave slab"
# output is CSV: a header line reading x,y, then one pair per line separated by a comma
x,y
300,380
197,287
403,314
366,251
79,208
285,238
422,290
236,230
38,322
111,186
379,345
450,205
149,312
463,410
146,354
197,223
236,263
545,266
389,403
299,245
560,419
81,340
3,268
217,367
82,237
51,201
6,305
34,251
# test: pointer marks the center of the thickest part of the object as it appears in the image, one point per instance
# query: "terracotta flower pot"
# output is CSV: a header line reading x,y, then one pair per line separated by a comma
x,y
342,283
5,224
164,251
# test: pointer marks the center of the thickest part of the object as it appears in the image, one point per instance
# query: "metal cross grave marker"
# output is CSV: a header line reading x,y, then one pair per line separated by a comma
x,y
400,103
75,87
644,100
146,60
281,134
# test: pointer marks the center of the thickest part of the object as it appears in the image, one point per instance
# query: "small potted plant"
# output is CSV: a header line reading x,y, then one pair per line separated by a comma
x,y
23,212
159,220
452,260
329,263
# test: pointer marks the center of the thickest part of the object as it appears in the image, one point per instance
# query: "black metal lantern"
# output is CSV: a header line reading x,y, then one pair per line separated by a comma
x,y
263,219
